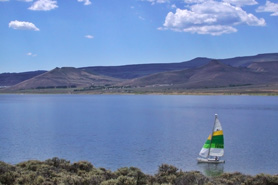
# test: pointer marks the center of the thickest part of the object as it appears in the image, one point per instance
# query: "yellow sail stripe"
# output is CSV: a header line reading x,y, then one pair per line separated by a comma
x,y
217,133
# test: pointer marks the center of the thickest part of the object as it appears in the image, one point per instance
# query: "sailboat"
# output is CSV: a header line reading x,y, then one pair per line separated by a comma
x,y
213,148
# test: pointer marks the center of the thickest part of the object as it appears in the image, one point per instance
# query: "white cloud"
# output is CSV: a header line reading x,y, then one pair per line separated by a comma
x,y
193,1
141,18
44,5
241,2
31,54
25,0
17,0
86,2
21,25
89,36
269,7
162,1
173,6
157,1
233,2
210,17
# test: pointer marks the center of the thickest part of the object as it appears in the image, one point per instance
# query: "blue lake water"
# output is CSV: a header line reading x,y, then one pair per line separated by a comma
x,y
144,131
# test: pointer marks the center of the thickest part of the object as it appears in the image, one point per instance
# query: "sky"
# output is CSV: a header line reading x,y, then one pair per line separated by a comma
x,y
44,34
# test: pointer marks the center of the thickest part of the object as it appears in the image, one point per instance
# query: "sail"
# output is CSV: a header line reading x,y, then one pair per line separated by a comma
x,y
214,146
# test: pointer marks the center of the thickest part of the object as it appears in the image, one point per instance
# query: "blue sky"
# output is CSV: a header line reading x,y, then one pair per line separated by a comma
x,y
44,34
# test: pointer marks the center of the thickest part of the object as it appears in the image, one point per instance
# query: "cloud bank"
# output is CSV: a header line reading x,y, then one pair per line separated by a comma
x,y
22,25
269,7
241,2
157,1
86,2
44,5
25,0
210,17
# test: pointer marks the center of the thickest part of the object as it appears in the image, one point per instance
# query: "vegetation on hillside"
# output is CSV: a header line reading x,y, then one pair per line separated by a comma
x,y
59,171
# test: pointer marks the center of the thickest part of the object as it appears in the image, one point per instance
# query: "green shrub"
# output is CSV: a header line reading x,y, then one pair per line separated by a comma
x,y
28,178
106,174
122,171
133,172
109,182
32,165
58,163
262,179
72,180
166,174
4,167
8,177
191,178
82,165
39,180
95,179
124,180
235,178
59,171
166,169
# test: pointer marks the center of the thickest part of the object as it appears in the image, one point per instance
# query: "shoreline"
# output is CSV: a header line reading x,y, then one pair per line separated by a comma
x,y
253,91
212,92
170,94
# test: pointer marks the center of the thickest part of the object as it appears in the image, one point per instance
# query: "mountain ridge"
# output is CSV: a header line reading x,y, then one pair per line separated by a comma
x,y
8,79
138,70
214,74
199,73
65,77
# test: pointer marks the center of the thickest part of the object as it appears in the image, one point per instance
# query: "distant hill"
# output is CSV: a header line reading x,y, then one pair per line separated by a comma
x,y
258,71
247,60
63,78
9,79
213,74
140,70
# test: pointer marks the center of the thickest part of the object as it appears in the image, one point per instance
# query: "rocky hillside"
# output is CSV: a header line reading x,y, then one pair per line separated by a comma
x,y
9,79
63,78
214,74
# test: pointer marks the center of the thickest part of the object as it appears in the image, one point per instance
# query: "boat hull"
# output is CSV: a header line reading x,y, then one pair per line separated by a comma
x,y
202,160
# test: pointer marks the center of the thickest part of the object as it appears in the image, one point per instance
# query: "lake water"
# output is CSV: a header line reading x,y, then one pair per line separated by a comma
x,y
144,131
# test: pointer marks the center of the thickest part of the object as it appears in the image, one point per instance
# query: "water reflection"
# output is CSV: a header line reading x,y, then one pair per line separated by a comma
x,y
211,170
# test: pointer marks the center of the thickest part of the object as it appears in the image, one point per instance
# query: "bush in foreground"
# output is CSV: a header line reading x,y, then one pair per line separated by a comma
x,y
59,171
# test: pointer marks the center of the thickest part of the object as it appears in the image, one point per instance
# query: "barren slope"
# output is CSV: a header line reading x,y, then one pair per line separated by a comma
x,y
64,77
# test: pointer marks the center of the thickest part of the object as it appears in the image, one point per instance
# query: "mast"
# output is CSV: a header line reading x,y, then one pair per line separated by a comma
x,y
212,134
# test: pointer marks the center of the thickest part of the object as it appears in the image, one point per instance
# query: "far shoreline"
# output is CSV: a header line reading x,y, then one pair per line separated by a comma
x,y
145,93
252,90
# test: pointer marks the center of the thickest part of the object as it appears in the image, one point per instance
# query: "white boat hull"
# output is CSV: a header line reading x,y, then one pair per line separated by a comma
x,y
203,160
